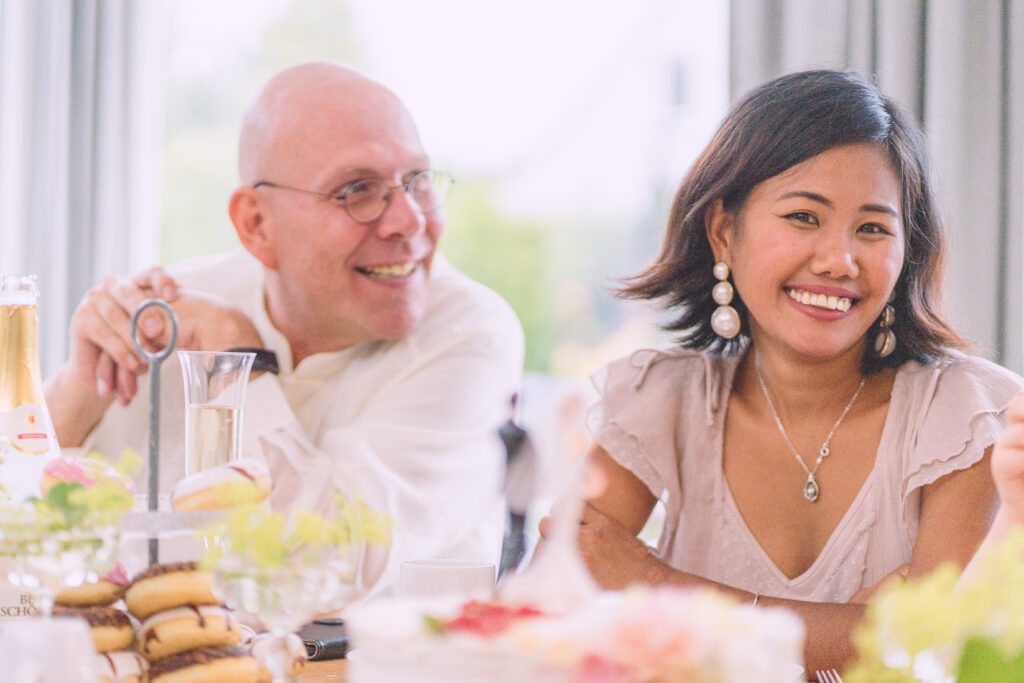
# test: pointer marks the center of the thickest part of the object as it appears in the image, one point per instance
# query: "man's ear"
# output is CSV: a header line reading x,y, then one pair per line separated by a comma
x,y
248,212
720,226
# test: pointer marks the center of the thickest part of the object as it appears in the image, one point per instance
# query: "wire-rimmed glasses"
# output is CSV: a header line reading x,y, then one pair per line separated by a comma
x,y
366,200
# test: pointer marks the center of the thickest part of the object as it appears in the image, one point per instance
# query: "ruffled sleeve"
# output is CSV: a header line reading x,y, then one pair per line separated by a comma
x,y
639,409
960,413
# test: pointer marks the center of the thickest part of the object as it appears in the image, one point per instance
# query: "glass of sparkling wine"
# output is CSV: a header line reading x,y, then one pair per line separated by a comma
x,y
214,396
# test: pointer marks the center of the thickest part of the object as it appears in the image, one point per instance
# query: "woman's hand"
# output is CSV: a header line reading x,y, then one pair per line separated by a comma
x,y
615,557
864,595
1008,462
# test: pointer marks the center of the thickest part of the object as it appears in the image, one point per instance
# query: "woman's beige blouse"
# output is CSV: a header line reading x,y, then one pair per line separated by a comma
x,y
661,415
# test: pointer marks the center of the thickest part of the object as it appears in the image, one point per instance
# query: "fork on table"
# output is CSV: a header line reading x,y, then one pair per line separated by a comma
x,y
829,676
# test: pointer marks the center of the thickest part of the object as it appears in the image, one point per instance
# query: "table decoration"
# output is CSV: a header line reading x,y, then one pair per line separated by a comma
x,y
280,572
65,537
937,631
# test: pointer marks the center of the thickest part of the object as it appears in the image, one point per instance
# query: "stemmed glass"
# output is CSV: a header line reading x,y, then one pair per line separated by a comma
x,y
282,571
284,598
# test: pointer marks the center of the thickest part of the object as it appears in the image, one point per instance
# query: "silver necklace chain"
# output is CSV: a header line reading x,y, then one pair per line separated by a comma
x,y
812,490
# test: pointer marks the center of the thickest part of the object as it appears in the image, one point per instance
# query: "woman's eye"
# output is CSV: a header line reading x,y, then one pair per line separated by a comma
x,y
873,229
803,217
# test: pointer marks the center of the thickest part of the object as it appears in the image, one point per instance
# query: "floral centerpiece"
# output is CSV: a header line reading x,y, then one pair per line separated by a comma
x,y
280,571
68,534
934,630
642,635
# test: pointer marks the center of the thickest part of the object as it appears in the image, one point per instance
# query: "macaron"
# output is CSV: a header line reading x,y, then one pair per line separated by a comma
x,y
185,628
208,665
224,486
111,629
164,586
123,666
102,593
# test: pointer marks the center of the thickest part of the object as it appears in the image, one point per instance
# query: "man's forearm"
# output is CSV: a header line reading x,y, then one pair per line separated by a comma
x,y
75,408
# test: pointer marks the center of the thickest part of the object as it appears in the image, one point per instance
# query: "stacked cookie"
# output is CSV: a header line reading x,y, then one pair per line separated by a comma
x,y
185,632
111,629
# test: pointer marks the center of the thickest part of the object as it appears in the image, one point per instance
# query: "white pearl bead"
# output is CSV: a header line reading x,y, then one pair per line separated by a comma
x,y
725,321
721,270
722,293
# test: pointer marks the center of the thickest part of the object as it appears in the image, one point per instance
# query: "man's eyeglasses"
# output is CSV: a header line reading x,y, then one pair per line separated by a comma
x,y
366,200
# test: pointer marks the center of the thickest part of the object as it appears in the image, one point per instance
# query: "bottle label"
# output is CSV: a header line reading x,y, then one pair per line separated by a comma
x,y
26,429
27,444
14,602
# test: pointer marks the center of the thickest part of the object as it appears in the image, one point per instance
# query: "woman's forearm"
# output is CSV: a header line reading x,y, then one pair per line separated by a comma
x,y
829,626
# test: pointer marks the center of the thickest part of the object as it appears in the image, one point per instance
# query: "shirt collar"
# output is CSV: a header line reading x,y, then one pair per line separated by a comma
x,y
318,365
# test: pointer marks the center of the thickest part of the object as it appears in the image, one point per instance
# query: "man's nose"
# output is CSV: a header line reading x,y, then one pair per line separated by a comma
x,y
835,255
401,217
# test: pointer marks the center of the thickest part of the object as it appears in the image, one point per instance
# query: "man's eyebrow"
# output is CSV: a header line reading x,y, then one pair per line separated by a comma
x,y
355,171
360,172
821,199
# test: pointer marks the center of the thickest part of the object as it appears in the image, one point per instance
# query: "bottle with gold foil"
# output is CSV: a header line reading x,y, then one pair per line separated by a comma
x,y
27,439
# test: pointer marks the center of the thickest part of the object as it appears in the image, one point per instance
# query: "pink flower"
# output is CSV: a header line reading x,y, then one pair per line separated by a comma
x,y
488,619
597,669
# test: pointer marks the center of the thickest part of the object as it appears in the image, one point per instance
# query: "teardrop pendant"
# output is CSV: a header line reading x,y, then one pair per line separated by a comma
x,y
811,490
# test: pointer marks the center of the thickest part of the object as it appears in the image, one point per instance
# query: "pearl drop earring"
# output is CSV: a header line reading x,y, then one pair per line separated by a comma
x,y
725,321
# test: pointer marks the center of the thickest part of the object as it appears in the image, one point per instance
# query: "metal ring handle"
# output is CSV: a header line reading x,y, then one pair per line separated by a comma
x,y
167,350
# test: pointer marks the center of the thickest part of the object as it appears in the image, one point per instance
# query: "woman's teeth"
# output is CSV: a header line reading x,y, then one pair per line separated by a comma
x,y
389,272
831,303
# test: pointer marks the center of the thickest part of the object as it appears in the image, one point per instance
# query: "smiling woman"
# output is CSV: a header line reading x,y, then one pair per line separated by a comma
x,y
818,427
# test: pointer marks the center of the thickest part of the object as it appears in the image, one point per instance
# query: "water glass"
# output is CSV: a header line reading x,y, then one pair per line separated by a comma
x,y
435,578
214,397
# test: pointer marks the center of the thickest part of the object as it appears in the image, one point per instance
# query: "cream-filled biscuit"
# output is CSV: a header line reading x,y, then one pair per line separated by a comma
x,y
240,481
164,586
186,628
123,666
111,629
208,665
102,593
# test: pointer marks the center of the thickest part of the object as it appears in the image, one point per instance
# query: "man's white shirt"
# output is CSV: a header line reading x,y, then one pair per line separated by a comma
x,y
410,427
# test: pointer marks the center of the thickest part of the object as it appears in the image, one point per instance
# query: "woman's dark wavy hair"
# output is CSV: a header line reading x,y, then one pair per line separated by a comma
x,y
778,125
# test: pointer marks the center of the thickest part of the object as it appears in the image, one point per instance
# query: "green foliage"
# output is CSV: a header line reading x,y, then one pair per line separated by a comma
x,y
509,256
982,662
254,536
973,627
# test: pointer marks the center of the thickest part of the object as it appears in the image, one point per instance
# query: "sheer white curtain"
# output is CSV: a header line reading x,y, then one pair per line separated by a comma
x,y
959,67
81,127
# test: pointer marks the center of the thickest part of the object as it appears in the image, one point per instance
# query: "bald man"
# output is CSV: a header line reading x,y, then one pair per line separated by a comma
x,y
393,371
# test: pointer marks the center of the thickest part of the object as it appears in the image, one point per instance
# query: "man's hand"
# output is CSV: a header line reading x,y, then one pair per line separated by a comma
x,y
104,363
103,359
207,323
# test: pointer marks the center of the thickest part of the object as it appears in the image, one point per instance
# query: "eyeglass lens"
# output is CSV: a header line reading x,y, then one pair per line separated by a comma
x,y
366,200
